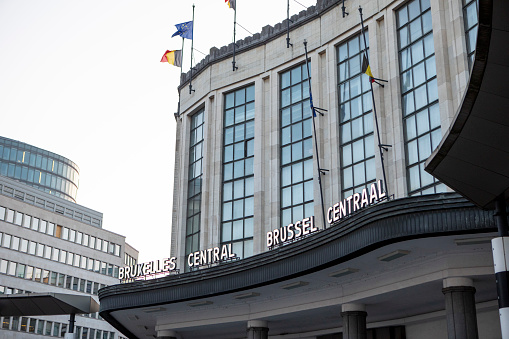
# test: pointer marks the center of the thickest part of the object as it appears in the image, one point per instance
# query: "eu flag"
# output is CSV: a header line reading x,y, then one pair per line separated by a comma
x,y
185,30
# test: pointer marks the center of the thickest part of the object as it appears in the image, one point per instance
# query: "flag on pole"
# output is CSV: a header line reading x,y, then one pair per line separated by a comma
x,y
185,30
230,3
366,69
173,57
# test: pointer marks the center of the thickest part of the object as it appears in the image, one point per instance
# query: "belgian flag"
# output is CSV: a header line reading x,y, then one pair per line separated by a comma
x,y
173,57
230,3
366,69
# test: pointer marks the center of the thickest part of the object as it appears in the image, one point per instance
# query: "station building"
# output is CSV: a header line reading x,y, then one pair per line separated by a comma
x,y
49,243
396,253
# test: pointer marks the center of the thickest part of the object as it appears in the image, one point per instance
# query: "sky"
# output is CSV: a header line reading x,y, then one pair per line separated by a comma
x,y
83,79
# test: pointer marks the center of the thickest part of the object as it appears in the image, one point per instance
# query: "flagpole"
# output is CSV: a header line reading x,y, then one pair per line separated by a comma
x,y
180,77
182,56
234,29
380,146
313,112
192,42
288,44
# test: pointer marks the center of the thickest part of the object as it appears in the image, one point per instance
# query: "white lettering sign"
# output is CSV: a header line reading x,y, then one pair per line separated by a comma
x,y
355,202
291,232
210,256
152,267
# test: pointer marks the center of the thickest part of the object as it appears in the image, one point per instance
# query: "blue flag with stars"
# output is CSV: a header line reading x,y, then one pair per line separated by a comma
x,y
185,30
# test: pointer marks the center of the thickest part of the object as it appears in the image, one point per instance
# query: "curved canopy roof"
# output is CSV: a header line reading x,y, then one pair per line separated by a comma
x,y
46,304
473,157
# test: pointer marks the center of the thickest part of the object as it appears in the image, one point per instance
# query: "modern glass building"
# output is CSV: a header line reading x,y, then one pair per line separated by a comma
x,y
44,170
49,244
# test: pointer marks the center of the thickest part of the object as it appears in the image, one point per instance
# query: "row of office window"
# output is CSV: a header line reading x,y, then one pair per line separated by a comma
x,y
46,163
55,254
65,233
51,328
47,277
420,118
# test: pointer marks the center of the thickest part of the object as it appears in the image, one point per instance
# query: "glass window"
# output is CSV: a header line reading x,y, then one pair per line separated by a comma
x,y
6,240
47,252
31,326
53,279
42,226
29,272
238,178
471,21
296,146
65,234
3,266
32,247
26,221
45,277
2,213
35,224
49,325
24,324
6,323
15,243
51,228
20,270
56,329
12,268
15,322
37,274
18,218
23,245
355,118
10,216
421,114
195,179
68,282
72,235
40,326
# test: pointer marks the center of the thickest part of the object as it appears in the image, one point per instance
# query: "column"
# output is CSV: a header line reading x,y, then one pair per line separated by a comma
x,y
257,329
354,321
460,308
500,247
167,334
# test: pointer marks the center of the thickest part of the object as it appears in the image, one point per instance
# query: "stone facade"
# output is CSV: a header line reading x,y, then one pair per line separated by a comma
x,y
261,59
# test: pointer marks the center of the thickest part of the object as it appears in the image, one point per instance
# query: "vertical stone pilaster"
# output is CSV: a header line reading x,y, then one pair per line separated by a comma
x,y
354,321
460,308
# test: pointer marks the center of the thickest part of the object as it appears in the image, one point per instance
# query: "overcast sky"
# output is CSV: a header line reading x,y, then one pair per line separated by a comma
x,y
83,79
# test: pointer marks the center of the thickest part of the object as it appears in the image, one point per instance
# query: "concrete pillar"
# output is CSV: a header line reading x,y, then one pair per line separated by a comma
x,y
257,329
354,321
167,334
500,247
460,308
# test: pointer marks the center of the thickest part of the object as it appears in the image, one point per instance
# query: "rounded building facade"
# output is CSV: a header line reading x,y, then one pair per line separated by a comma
x,y
44,170
290,222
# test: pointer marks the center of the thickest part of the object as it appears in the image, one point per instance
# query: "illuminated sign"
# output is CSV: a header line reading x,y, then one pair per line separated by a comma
x,y
291,232
148,268
339,210
210,256
355,202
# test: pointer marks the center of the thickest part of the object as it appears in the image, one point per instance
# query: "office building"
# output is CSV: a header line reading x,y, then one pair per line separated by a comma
x,y
50,244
